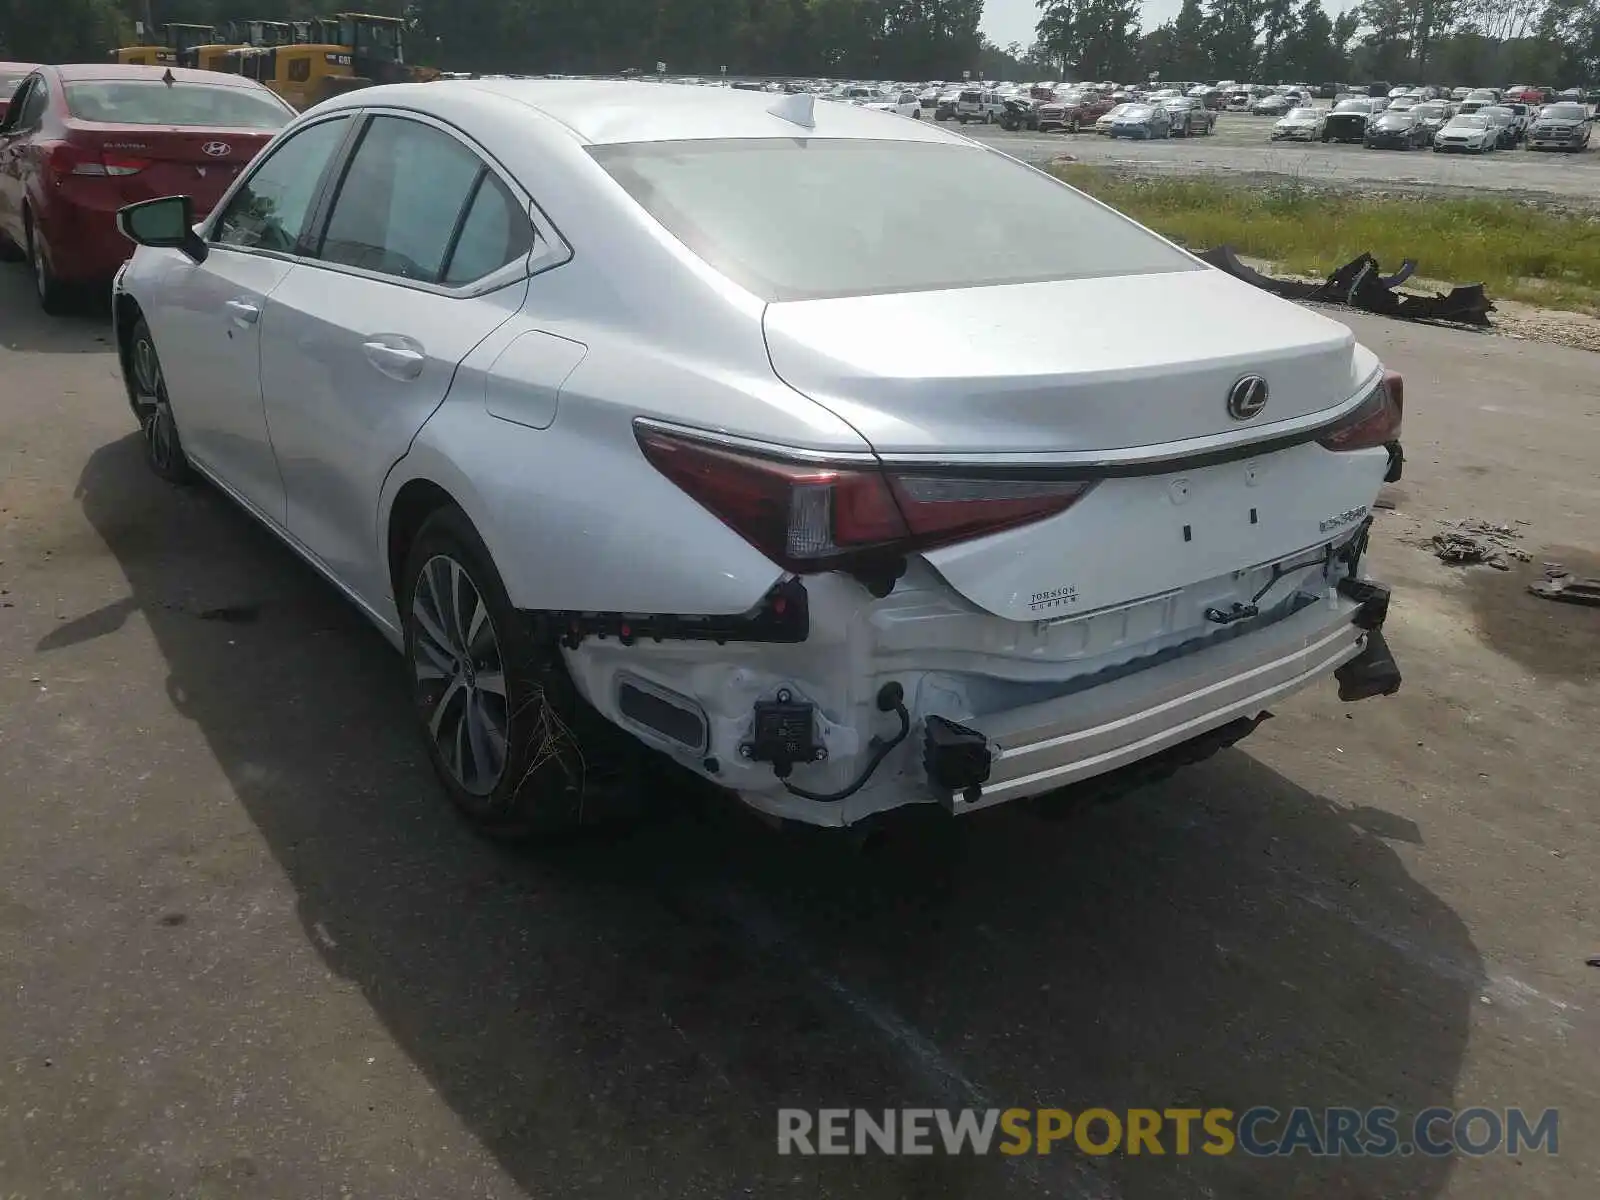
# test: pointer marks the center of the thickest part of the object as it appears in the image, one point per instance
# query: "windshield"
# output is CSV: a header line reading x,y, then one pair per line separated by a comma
x,y
187,105
1431,110
1355,106
1470,121
1119,110
1302,114
1565,112
806,219
1392,118
1137,112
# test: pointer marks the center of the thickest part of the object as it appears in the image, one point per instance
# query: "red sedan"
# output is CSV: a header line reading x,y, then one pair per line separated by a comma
x,y
11,77
80,142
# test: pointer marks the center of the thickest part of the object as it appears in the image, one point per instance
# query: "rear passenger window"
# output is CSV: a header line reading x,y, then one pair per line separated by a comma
x,y
495,233
419,205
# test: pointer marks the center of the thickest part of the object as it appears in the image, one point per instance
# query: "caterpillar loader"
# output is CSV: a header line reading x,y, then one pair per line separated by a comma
x,y
369,50
180,41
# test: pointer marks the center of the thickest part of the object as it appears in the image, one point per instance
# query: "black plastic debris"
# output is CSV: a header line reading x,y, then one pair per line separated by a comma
x,y
1561,585
1360,283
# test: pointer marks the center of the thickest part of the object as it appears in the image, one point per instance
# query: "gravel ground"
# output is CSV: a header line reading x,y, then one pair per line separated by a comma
x,y
1241,148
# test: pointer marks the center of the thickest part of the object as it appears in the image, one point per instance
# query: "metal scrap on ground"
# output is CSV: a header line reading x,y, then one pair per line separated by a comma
x,y
1560,584
1471,542
1361,284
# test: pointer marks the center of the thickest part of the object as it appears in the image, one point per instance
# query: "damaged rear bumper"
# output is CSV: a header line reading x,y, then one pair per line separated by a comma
x,y
1049,746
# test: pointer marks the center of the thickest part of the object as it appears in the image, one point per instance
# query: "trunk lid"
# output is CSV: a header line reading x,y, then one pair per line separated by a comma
x,y
170,161
1093,372
1072,367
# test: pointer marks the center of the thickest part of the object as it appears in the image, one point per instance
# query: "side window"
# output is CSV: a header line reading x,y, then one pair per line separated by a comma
x,y
495,233
38,101
13,117
270,210
402,203
300,70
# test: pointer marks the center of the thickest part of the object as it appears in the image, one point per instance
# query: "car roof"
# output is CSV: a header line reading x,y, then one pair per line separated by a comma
x,y
608,112
105,72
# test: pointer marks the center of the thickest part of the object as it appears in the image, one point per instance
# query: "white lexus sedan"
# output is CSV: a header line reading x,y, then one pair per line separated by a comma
x,y
656,417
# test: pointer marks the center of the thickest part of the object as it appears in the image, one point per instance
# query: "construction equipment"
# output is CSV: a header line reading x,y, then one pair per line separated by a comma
x,y
369,50
180,40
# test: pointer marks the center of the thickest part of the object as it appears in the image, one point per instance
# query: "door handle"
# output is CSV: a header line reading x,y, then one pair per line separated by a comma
x,y
399,362
243,312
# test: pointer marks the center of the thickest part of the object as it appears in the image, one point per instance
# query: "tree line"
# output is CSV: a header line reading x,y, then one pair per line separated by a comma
x,y
1456,41
1462,42
909,39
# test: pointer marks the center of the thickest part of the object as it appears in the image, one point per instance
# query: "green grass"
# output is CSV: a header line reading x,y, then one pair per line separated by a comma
x,y
1519,251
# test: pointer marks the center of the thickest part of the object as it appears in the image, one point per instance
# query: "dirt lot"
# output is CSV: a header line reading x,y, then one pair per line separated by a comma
x,y
246,952
1242,146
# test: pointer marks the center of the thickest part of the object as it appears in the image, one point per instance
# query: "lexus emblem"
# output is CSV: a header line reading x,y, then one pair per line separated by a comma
x,y
1247,398
217,149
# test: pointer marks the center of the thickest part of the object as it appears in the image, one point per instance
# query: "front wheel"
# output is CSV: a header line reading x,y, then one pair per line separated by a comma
x,y
916,114
496,708
163,448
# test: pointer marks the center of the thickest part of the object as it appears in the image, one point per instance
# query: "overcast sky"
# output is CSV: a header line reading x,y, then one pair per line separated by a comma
x,y
1007,21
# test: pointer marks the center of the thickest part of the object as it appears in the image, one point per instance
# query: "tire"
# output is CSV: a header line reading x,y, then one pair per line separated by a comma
x,y
1072,126
917,115
54,296
961,120
11,252
988,118
481,675
163,447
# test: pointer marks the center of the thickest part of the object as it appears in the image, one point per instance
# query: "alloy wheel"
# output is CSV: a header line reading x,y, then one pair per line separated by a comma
x,y
459,675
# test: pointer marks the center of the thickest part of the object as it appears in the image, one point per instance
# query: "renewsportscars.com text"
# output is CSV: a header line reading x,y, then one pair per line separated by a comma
x,y
1260,1132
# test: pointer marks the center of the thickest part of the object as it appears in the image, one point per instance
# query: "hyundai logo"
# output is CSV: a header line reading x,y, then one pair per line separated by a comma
x,y
217,149
1247,398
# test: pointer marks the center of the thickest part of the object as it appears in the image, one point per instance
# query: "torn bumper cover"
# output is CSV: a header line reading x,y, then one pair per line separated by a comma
x,y
1172,710
1361,284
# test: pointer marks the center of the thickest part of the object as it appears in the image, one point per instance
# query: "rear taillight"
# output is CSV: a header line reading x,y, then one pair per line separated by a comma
x,y
811,517
1376,423
69,159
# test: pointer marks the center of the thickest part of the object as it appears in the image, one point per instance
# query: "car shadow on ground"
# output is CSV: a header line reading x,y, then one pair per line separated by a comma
x,y
622,1014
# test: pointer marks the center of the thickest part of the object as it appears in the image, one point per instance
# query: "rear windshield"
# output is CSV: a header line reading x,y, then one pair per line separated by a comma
x,y
807,219
1354,106
186,105
9,84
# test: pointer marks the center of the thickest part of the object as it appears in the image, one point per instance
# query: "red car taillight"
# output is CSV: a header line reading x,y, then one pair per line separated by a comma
x,y
1376,423
810,517
69,159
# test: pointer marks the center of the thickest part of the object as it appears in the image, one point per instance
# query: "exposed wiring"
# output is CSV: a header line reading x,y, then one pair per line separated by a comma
x,y
891,698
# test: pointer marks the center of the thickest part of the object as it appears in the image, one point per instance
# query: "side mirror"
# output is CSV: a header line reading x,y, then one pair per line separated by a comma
x,y
166,223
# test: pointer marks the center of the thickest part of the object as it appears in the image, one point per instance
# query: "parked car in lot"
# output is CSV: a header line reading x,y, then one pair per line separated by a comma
x,y
945,109
1563,126
79,142
1106,119
1395,130
1142,121
1021,112
1016,562
1189,118
1348,121
973,104
1471,133
11,76
1432,114
904,103
1511,119
1068,111
1271,106
1301,125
